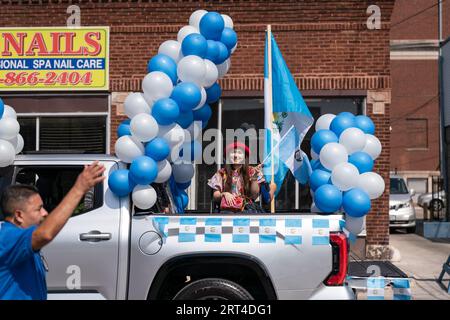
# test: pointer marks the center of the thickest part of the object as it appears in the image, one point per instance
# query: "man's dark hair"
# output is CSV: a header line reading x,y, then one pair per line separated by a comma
x,y
13,196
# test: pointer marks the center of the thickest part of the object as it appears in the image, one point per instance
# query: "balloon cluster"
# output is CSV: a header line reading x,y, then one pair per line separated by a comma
x,y
159,138
344,149
11,142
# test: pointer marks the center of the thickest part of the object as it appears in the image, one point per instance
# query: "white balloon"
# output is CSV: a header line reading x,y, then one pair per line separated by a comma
x,y
344,176
234,48
183,172
323,123
185,31
9,128
228,21
172,49
157,85
372,183
174,134
191,69
223,68
164,171
127,148
354,225
7,153
135,104
9,112
333,154
196,16
211,75
314,155
144,197
18,143
144,127
373,146
203,100
353,139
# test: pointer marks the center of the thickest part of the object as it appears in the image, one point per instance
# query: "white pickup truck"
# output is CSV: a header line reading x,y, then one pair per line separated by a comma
x,y
110,250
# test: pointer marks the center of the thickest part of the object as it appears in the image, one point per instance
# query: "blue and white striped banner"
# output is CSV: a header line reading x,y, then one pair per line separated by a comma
x,y
321,232
213,230
375,288
402,289
293,231
187,230
241,230
161,224
267,231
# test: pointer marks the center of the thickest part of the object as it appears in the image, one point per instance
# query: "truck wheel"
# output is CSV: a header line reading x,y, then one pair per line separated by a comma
x,y
213,289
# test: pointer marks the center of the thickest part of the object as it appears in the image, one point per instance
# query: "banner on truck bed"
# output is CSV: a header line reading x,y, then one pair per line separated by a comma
x,y
48,59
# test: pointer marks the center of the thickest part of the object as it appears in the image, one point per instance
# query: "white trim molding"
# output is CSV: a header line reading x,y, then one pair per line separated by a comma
x,y
414,49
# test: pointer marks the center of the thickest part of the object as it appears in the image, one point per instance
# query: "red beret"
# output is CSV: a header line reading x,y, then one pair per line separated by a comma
x,y
237,145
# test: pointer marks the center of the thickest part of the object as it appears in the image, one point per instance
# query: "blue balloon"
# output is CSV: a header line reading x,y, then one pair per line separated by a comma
x,y
213,93
224,53
2,108
184,198
204,124
212,51
356,203
194,44
165,111
185,119
143,170
318,178
124,128
365,124
203,114
211,25
164,63
346,114
158,149
361,160
328,198
342,122
321,138
187,95
120,183
184,186
229,38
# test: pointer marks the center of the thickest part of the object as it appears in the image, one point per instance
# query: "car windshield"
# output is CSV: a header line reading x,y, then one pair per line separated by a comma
x,y
398,186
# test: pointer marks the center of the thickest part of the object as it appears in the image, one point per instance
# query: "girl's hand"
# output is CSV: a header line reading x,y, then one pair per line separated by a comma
x,y
229,198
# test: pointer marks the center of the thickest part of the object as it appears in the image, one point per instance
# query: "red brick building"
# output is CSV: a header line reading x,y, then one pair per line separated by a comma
x,y
415,90
338,61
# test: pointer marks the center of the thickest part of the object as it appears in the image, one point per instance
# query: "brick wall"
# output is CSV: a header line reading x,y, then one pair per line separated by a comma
x,y
326,44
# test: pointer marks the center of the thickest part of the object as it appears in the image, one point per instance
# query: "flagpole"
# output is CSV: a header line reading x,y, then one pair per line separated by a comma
x,y
269,65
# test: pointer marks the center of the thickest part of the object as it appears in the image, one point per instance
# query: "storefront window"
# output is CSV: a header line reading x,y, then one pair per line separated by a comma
x,y
236,112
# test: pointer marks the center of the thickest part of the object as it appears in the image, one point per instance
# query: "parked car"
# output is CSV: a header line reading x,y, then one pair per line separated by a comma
x,y
111,250
401,207
433,202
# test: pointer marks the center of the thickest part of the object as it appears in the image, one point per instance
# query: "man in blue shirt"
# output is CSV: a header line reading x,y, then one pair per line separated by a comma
x,y
28,227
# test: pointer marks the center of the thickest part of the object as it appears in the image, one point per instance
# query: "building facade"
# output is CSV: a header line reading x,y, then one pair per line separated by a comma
x,y
415,112
337,52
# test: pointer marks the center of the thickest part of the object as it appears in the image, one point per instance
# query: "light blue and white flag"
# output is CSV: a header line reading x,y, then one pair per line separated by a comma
x,y
289,118
187,230
267,230
213,230
161,224
401,288
375,288
241,230
321,232
293,232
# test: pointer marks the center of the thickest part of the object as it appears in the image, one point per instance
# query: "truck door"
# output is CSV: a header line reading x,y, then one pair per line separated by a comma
x,y
82,260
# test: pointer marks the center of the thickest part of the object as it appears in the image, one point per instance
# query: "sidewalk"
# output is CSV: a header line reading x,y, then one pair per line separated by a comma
x,y
422,259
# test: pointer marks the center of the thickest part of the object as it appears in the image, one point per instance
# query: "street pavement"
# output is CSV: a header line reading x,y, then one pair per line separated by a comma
x,y
422,259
